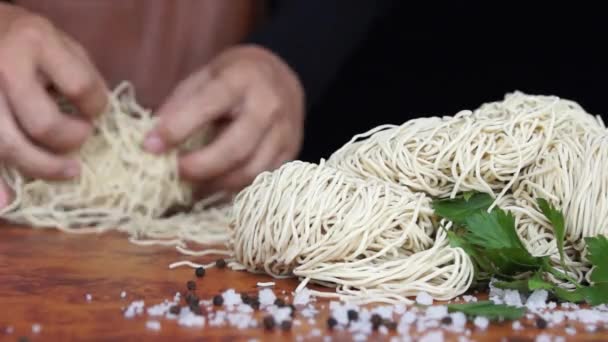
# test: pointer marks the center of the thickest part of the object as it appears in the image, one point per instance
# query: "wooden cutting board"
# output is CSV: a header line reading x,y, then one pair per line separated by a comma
x,y
45,276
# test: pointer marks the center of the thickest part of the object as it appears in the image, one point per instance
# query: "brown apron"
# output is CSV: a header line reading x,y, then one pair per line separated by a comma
x,y
152,43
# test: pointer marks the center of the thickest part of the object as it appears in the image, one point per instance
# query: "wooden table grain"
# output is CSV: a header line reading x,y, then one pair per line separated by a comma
x,y
45,276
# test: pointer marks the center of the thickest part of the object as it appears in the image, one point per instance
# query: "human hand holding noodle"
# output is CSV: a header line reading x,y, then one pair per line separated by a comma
x,y
34,133
258,102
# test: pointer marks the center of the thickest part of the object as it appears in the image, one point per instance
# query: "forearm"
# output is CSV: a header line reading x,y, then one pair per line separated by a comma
x,y
316,37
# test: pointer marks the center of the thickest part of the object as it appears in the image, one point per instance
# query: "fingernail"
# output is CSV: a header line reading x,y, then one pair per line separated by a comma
x,y
72,170
154,144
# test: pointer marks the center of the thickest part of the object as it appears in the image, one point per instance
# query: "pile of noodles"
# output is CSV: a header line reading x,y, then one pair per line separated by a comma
x,y
360,222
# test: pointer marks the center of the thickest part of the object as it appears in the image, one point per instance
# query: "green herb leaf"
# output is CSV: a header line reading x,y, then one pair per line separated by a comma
x,y
489,310
575,296
519,285
598,255
493,230
596,294
556,218
459,208
536,282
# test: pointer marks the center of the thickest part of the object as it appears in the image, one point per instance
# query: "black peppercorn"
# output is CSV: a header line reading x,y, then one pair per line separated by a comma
x,y
199,272
174,309
220,263
293,310
245,298
376,321
279,302
191,298
218,300
196,309
286,325
447,320
268,322
254,303
353,315
191,285
541,323
331,322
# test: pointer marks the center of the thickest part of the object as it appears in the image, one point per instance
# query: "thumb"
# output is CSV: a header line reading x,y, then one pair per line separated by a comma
x,y
5,194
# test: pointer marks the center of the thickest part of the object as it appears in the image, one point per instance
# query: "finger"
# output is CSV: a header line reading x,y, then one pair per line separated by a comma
x,y
43,122
71,71
16,150
5,194
231,148
265,159
185,113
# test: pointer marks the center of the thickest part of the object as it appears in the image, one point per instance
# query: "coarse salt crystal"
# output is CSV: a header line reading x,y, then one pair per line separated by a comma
x,y
436,312
326,338
134,309
433,336
459,319
516,325
469,298
123,294
359,337
231,298
9,330
512,298
88,297
537,300
424,298
153,325
481,322
383,330
302,297
188,319
543,338
315,333
408,318
570,331
36,328
267,297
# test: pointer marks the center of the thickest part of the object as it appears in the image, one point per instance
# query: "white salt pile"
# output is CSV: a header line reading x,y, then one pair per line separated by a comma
x,y
153,325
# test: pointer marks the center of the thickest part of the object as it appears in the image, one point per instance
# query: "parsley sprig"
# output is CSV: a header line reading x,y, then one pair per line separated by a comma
x,y
490,238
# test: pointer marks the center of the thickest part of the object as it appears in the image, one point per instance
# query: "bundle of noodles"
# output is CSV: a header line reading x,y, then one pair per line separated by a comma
x,y
368,238
120,187
485,150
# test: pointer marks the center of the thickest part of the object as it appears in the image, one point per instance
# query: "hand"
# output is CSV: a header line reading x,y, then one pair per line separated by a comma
x,y
34,133
259,102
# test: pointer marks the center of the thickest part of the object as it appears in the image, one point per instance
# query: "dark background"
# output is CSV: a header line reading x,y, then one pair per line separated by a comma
x,y
435,59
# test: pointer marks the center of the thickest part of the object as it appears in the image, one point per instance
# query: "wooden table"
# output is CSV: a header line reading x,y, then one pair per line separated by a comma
x,y
45,275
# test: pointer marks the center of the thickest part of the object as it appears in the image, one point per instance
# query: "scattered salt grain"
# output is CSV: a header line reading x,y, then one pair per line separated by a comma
x,y
481,322
188,319
134,309
469,299
359,337
424,298
408,318
543,338
160,309
459,320
267,297
590,328
433,336
302,297
36,328
551,305
383,330
123,294
88,297
537,300
315,333
297,322
309,311
436,312
512,298
153,325
9,330
231,298
516,325
570,331
326,338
